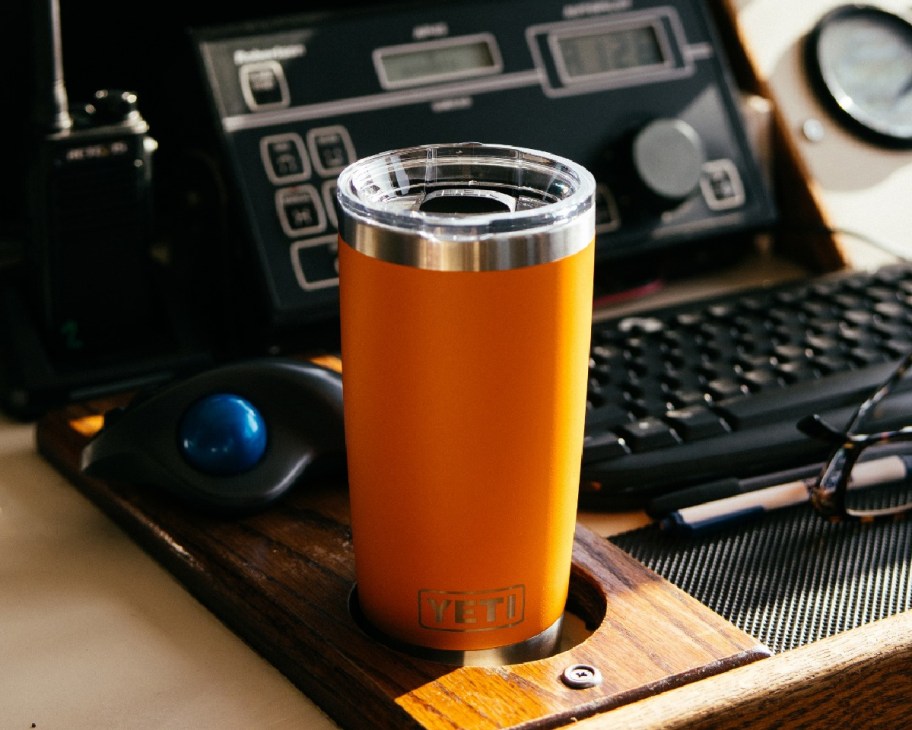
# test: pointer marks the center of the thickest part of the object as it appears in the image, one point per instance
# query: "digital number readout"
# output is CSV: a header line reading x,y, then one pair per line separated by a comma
x,y
610,51
447,60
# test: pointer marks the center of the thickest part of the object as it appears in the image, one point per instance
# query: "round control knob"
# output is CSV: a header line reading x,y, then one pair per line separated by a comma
x,y
222,435
668,158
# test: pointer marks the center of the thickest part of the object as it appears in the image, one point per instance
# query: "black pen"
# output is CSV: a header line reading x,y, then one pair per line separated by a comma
x,y
731,510
728,487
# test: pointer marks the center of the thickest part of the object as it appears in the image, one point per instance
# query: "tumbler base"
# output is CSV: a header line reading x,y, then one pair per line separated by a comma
x,y
540,646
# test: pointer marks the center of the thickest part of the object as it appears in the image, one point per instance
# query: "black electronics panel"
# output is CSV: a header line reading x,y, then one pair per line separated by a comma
x,y
637,91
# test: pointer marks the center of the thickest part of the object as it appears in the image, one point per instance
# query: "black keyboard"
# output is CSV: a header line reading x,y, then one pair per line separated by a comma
x,y
713,389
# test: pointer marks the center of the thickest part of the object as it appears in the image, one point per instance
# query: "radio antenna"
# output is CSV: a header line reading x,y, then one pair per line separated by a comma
x,y
51,109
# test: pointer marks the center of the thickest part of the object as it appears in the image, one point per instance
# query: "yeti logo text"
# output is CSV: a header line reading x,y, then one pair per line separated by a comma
x,y
471,610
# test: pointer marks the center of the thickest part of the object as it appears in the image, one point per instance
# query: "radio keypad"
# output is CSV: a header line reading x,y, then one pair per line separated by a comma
x,y
316,262
329,198
304,210
300,210
721,185
285,158
607,216
331,149
264,85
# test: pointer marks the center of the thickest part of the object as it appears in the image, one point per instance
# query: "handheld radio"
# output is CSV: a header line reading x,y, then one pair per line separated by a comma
x,y
90,210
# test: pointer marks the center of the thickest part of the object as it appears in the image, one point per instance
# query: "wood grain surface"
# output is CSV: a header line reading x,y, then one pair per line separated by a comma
x,y
281,580
857,679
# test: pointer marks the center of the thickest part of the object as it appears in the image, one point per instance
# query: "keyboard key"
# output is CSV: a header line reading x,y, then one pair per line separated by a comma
x,y
608,416
696,422
602,446
648,434
789,404
724,388
759,379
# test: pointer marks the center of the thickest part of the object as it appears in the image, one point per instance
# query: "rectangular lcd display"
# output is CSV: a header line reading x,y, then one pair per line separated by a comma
x,y
610,51
447,59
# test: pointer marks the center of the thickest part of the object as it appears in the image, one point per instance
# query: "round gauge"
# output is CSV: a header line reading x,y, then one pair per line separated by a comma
x,y
860,59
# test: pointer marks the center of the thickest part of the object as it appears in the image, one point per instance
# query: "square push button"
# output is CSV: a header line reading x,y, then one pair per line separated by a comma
x,y
284,158
607,217
721,185
329,200
300,211
316,262
264,85
331,149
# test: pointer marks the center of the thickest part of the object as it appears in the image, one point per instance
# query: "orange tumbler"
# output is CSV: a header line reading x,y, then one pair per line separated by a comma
x,y
466,305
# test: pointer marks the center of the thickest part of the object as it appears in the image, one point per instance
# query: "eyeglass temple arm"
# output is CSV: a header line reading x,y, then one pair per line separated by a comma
x,y
815,427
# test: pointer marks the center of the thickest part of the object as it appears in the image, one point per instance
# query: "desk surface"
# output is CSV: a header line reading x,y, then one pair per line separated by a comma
x,y
94,633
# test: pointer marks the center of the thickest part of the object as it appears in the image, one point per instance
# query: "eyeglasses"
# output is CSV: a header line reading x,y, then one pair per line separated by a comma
x,y
837,493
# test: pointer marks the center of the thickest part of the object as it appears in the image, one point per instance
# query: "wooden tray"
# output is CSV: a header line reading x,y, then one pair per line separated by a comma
x,y
281,581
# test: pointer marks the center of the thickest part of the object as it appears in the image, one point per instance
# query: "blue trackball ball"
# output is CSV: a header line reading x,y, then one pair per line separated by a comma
x,y
222,435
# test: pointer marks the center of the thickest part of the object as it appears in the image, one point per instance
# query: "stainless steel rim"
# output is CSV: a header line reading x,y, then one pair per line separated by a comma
x,y
552,215
494,254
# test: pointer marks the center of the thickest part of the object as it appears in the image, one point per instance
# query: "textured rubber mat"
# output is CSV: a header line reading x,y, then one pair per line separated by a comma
x,y
790,578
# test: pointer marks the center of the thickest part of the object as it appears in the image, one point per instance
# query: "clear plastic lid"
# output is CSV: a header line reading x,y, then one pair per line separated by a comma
x,y
466,207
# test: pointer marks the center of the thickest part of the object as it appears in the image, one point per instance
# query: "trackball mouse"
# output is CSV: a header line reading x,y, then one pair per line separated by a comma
x,y
232,439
